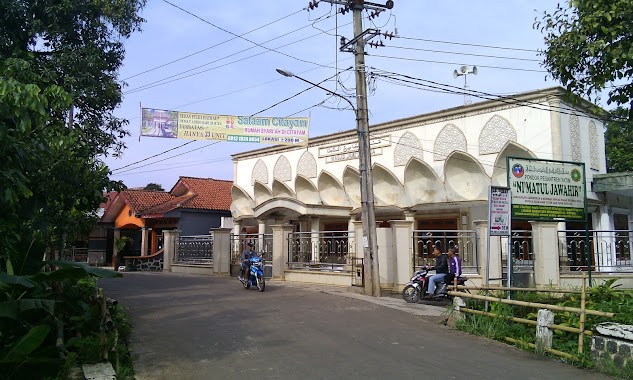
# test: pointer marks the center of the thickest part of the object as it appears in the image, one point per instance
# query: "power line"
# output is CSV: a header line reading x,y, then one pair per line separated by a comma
x,y
165,80
211,47
167,158
150,157
469,54
466,44
238,36
454,63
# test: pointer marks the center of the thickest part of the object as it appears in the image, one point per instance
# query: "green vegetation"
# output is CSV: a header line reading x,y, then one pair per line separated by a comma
x,y
51,322
604,297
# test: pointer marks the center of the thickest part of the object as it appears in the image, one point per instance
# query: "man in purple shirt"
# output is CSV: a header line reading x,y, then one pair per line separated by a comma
x,y
455,267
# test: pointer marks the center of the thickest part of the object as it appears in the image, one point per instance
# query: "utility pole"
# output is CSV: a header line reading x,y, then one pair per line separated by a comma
x,y
368,213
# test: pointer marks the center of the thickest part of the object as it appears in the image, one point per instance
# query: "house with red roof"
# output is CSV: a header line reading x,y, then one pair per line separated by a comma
x,y
135,219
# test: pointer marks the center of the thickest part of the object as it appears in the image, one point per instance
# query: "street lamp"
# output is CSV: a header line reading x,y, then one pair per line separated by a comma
x,y
289,74
368,214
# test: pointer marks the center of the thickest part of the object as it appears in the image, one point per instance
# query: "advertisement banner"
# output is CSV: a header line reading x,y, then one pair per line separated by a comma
x,y
499,211
547,190
199,126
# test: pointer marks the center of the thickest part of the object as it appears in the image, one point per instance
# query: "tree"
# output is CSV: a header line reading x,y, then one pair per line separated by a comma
x,y
589,48
58,91
619,144
154,186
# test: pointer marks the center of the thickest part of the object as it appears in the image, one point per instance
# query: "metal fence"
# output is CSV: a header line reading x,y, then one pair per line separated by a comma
x,y
464,241
522,251
196,249
262,244
603,251
332,251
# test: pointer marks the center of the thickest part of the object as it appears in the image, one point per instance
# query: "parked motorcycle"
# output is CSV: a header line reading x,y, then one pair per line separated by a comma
x,y
255,276
419,283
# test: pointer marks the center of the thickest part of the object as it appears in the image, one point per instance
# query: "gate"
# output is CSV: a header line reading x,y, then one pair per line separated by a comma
x,y
263,244
197,249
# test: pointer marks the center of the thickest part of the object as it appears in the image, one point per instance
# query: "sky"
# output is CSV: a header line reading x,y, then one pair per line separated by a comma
x,y
191,60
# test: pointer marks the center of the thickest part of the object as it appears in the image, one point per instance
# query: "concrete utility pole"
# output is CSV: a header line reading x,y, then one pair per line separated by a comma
x,y
368,213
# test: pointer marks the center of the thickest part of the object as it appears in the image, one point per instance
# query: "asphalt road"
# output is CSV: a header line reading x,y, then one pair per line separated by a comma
x,y
198,327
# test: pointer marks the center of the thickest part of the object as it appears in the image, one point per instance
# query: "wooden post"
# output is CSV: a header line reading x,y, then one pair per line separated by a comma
x,y
581,326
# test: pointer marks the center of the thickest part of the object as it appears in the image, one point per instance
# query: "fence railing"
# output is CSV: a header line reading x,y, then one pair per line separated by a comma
x,y
605,251
464,241
262,244
196,249
333,251
78,255
522,252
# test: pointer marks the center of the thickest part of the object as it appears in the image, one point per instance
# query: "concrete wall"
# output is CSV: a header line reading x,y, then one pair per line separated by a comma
x,y
198,222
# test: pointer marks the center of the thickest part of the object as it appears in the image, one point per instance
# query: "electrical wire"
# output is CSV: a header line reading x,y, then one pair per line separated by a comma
x,y
170,157
211,47
468,54
454,63
150,157
465,44
166,81
239,36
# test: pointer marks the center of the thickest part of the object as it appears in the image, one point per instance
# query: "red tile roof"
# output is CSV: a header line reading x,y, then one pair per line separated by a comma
x,y
209,193
141,200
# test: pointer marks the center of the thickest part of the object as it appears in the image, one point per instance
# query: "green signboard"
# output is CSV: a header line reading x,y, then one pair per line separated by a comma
x,y
547,190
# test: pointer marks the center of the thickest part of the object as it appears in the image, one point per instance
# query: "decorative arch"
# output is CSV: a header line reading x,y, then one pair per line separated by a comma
x,y
450,139
331,190
281,190
262,193
306,191
407,147
351,183
465,178
511,149
282,170
421,183
495,134
594,146
242,203
574,138
307,165
260,172
388,191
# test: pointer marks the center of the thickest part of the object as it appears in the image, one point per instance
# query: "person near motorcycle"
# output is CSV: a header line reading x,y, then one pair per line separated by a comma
x,y
454,266
246,256
441,269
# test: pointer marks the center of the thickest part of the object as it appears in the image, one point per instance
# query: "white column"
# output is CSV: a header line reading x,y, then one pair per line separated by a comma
x,y
604,242
280,248
170,243
261,230
144,240
402,231
315,227
221,250
483,240
546,265
237,227
555,128
115,251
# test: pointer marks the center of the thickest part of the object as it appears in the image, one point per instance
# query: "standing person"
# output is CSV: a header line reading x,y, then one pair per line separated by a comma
x,y
454,266
441,269
246,256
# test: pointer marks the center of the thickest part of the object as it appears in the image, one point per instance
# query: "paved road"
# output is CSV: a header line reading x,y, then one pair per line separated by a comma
x,y
197,327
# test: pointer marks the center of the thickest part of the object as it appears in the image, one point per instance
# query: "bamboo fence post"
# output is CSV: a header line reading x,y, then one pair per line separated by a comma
x,y
581,326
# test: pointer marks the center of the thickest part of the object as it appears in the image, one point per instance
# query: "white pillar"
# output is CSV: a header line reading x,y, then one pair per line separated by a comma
x,y
544,334
170,243
402,231
237,227
280,248
221,250
483,241
115,251
604,242
315,228
261,230
546,265
144,240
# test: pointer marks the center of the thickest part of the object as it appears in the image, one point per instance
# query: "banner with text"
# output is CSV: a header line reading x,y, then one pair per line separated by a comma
x,y
199,126
547,190
499,220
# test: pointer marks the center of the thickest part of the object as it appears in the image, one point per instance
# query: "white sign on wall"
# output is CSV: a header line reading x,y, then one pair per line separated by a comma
x,y
349,151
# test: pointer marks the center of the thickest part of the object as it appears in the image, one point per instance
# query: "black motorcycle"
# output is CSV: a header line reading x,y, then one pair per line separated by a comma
x,y
419,283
